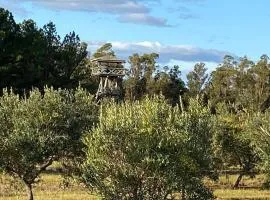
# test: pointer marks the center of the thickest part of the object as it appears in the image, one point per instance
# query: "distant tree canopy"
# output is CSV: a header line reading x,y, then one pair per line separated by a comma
x,y
146,77
34,57
241,82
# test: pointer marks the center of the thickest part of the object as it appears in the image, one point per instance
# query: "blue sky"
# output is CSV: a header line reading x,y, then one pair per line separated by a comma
x,y
181,31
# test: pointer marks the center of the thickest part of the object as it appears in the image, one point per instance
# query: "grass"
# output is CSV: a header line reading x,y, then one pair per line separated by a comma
x,y
50,187
255,194
250,188
227,182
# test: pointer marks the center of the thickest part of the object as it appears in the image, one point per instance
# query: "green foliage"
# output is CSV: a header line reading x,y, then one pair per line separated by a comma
x,y
259,132
149,150
8,34
34,57
141,72
242,83
40,129
222,80
145,78
168,82
232,144
104,51
197,80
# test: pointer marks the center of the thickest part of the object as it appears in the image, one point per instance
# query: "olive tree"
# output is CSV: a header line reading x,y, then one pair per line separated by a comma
x,y
232,145
259,133
41,129
149,150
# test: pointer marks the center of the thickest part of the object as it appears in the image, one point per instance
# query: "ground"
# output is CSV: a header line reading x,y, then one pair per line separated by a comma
x,y
51,187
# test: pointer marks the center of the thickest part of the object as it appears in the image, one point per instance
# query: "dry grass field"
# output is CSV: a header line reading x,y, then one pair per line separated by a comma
x,y
50,188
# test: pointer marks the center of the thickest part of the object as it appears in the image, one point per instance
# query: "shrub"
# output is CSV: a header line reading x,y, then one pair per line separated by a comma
x,y
41,129
149,150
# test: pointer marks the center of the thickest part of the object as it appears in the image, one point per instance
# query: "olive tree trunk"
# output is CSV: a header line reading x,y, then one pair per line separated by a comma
x,y
29,191
237,182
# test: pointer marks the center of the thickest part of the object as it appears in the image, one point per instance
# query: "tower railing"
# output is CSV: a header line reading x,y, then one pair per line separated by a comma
x,y
110,73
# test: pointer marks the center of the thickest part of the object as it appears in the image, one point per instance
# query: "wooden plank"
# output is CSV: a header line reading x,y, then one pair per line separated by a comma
x,y
109,71
108,60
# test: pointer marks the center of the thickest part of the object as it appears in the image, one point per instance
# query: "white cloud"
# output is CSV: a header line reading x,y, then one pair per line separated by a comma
x,y
127,11
167,53
108,6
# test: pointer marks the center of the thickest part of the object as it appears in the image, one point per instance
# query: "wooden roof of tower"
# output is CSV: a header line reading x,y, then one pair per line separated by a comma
x,y
108,59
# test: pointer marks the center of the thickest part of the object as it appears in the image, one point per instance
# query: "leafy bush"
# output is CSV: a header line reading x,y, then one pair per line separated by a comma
x,y
40,129
149,150
232,144
259,129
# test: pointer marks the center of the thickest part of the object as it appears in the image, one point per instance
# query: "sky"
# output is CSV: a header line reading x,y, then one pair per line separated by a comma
x,y
183,32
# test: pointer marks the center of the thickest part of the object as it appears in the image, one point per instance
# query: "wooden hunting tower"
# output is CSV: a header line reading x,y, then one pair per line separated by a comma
x,y
110,72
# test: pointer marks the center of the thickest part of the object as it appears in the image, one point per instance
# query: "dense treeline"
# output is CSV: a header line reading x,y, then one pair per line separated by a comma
x,y
34,57
164,138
